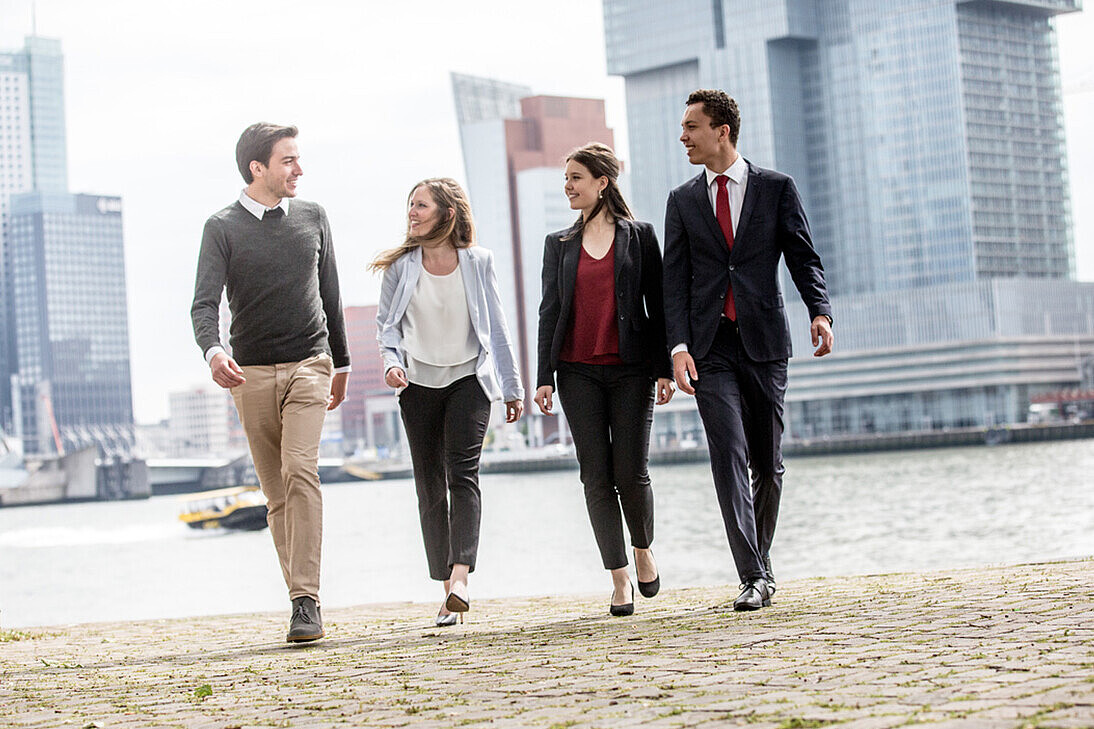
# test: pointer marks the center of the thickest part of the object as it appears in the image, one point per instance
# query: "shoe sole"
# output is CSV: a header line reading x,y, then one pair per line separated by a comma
x,y
749,608
456,604
303,638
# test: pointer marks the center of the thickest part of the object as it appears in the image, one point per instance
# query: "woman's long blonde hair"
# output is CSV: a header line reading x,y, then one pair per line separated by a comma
x,y
457,229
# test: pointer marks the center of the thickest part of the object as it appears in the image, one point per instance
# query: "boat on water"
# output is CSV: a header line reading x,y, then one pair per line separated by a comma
x,y
240,507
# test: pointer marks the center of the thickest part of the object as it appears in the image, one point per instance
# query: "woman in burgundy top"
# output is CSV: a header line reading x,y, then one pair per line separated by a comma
x,y
602,329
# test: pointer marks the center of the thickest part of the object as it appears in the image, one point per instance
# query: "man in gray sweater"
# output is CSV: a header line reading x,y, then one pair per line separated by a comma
x,y
289,361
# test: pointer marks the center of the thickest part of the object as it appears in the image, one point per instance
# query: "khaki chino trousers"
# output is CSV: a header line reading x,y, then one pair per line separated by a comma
x,y
282,408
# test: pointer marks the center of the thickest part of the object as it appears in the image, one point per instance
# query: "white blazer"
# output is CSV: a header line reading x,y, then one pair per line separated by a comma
x,y
496,367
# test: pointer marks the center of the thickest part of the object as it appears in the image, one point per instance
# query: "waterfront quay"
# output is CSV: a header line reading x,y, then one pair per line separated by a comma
x,y
1008,646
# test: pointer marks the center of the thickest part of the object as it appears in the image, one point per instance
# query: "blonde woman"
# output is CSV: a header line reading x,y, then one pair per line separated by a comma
x,y
447,353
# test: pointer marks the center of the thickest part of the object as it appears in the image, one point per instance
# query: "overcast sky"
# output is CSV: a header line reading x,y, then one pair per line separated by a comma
x,y
157,94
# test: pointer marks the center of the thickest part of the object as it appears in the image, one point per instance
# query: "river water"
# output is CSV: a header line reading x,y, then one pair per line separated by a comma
x,y
883,512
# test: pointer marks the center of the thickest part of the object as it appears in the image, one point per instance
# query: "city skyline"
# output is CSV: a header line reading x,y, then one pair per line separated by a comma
x,y
154,84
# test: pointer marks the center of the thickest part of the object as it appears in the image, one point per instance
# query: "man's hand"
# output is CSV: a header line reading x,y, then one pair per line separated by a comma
x,y
821,331
337,389
664,390
683,369
226,372
513,410
543,399
395,377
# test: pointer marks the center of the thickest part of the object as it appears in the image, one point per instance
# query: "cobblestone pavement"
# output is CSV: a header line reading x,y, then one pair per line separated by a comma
x,y
997,647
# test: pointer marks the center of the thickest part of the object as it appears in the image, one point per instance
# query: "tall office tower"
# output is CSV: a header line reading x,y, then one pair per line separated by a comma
x,y
66,339
927,141
32,154
926,137
68,311
514,157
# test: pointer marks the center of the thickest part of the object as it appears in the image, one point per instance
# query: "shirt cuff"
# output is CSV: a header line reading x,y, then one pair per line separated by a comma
x,y
678,348
213,352
342,370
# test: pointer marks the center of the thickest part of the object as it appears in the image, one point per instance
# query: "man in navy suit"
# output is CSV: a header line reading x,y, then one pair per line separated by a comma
x,y
725,232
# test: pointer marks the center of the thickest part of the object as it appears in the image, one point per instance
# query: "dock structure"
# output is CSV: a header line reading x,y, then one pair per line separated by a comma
x,y
1008,647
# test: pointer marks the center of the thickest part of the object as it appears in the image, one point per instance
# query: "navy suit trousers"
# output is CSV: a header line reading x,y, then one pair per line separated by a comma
x,y
741,404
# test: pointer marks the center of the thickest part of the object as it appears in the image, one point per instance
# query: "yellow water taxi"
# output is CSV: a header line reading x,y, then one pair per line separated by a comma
x,y
239,507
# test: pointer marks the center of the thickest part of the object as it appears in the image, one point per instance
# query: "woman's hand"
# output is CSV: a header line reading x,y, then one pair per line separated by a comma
x,y
665,388
544,400
513,410
395,377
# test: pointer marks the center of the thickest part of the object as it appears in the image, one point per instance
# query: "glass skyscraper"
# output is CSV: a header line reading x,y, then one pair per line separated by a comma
x,y
64,349
68,312
926,138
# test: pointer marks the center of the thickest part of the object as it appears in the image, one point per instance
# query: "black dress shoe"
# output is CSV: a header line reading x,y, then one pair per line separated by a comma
x,y
754,596
651,588
306,623
622,611
770,573
648,589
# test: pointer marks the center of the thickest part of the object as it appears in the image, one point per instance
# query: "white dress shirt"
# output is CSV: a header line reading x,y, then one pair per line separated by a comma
x,y
257,209
738,181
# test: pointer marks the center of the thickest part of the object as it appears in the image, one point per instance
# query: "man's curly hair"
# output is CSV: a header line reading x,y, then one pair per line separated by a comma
x,y
721,108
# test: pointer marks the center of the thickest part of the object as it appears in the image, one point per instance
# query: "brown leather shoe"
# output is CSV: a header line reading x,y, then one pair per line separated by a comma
x,y
306,623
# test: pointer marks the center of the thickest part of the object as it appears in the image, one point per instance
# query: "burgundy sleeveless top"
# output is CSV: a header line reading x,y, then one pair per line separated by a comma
x,y
594,334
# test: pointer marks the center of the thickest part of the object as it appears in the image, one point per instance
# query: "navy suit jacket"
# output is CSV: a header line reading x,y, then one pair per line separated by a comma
x,y
699,267
638,299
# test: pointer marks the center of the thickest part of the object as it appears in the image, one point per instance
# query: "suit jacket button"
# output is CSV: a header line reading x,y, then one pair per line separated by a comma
x,y
732,268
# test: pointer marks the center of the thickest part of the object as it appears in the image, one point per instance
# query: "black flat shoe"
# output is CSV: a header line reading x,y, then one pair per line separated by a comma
x,y
648,589
622,611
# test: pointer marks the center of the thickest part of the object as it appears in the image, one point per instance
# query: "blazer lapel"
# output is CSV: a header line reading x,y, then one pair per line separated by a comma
x,y
571,254
410,282
752,191
621,250
701,199
471,287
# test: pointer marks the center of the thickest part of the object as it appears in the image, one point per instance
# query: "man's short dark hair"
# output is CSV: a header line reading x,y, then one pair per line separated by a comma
x,y
721,108
257,143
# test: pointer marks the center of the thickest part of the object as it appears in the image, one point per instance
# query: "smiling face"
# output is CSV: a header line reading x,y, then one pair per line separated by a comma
x,y
581,188
704,143
278,178
423,213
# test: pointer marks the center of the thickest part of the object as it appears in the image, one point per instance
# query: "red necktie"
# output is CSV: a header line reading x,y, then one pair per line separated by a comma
x,y
725,221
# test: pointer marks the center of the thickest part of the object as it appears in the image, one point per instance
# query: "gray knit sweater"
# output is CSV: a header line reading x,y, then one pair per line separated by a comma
x,y
282,286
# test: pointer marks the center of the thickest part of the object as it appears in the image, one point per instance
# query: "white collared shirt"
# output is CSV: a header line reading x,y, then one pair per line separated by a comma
x,y
256,208
738,181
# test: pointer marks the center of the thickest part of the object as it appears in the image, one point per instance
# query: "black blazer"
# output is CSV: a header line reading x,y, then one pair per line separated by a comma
x,y
638,298
699,267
